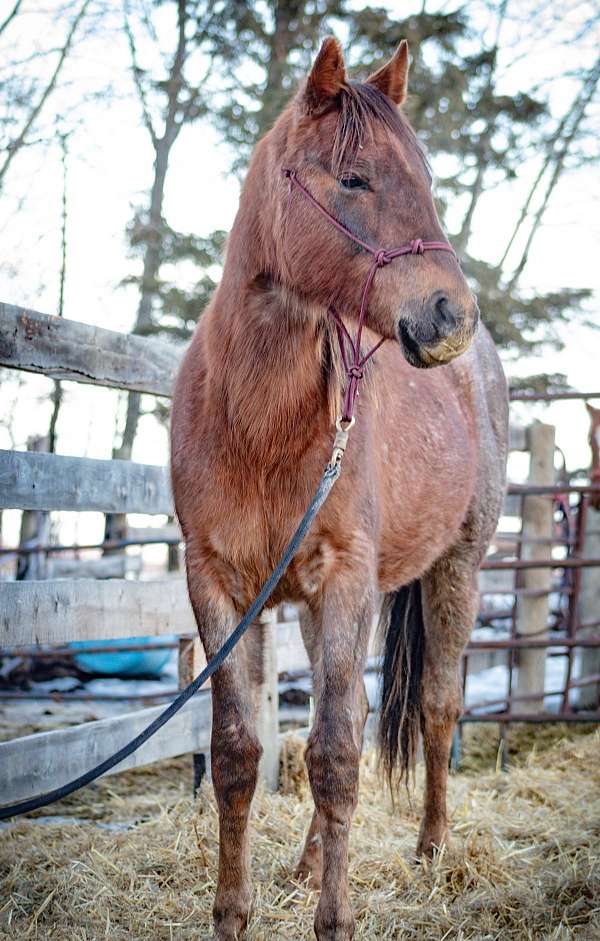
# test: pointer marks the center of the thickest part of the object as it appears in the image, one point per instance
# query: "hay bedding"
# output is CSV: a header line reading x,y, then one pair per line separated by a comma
x,y
524,861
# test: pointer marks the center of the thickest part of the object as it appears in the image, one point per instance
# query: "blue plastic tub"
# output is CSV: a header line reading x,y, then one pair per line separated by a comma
x,y
129,663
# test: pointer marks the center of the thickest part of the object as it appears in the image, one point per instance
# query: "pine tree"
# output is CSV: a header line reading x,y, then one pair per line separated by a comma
x,y
480,136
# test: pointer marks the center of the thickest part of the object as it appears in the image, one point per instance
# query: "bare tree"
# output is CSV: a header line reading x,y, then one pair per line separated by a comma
x,y
555,160
57,393
478,186
6,22
182,103
20,140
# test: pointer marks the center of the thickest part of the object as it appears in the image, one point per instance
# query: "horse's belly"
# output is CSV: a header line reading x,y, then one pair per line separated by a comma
x,y
417,531
403,561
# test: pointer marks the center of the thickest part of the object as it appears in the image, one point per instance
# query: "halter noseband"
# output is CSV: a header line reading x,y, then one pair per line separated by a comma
x,y
354,363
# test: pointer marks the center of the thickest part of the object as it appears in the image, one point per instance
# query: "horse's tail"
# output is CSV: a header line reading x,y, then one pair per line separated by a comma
x,y
404,648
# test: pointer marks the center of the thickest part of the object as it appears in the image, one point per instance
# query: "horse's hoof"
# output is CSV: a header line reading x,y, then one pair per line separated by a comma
x,y
230,926
335,925
338,932
431,840
309,875
229,934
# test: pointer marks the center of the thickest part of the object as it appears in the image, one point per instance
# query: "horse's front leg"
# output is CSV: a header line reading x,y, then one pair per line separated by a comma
x,y
235,749
334,744
310,865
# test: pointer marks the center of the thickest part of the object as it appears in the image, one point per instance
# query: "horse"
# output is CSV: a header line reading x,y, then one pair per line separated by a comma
x,y
594,439
423,477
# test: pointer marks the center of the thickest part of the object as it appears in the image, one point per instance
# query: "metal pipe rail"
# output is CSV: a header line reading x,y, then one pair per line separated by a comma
x,y
516,396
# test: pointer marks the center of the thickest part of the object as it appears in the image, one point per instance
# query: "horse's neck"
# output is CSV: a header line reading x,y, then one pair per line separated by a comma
x,y
268,370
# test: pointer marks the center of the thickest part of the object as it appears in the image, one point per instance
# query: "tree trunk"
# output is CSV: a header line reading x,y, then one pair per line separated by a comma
x,y
57,394
116,524
461,240
276,67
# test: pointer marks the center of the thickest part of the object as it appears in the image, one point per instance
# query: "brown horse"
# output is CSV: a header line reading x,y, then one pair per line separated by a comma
x,y
594,414
422,482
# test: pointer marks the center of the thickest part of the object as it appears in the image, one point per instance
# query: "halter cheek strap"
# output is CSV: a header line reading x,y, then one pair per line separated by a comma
x,y
350,348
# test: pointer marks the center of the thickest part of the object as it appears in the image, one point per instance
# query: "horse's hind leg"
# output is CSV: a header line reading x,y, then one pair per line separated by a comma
x,y
450,599
235,750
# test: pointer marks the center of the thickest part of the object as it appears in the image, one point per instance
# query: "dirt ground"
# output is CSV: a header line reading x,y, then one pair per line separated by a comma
x,y
133,858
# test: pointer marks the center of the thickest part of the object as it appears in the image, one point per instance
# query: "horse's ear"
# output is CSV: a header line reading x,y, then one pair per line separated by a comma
x,y
392,78
326,78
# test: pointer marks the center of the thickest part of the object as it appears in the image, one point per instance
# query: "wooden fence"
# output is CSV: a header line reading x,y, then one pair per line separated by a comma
x,y
58,611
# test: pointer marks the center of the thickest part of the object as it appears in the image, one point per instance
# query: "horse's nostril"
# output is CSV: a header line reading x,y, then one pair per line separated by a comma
x,y
443,312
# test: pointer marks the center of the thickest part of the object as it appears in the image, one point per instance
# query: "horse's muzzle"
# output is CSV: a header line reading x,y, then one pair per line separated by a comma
x,y
437,343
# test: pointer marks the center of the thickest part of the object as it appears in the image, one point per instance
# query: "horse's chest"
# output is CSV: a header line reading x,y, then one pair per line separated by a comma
x,y
245,550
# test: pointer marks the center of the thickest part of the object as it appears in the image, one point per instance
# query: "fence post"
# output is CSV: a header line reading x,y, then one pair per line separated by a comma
x,y
589,608
268,718
35,530
537,522
191,661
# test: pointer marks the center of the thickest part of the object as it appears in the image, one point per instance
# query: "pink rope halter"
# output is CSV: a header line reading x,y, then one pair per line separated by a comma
x,y
350,348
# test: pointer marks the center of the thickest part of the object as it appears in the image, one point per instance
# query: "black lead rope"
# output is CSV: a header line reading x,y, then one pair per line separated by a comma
x,y
330,475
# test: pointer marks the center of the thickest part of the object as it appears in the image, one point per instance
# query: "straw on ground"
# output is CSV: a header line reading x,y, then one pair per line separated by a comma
x,y
134,858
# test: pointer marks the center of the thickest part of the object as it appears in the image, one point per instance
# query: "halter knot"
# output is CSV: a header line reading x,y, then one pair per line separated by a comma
x,y
382,258
289,174
416,247
355,372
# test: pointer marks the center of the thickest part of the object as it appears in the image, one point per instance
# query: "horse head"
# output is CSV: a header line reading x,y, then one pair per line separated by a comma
x,y
353,148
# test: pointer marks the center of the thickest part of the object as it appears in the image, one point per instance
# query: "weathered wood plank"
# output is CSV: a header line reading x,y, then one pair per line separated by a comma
x,y
37,763
67,349
170,531
57,612
30,480
107,566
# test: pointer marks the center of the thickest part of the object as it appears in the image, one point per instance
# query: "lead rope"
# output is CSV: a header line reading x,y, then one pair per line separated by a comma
x,y
330,475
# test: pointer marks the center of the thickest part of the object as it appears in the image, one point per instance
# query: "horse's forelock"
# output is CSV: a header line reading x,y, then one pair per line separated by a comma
x,y
361,108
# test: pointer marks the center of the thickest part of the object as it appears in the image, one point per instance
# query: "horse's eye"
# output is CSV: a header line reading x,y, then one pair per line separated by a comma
x,y
353,183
